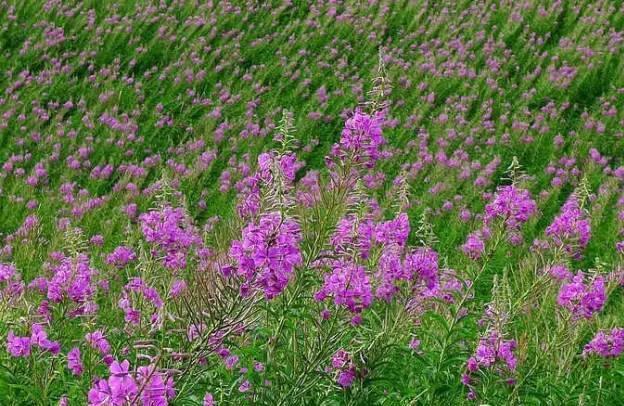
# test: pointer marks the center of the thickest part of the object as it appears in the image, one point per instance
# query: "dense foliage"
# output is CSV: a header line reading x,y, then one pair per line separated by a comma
x,y
311,202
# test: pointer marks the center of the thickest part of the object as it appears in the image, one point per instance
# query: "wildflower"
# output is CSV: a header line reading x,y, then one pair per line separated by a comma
x,y
346,377
74,362
156,387
231,361
18,346
493,352
98,342
7,272
570,229
170,231
474,246
348,285
208,400
100,394
361,138
353,232
245,386
39,338
393,232
268,253
580,299
345,368
513,205
123,387
560,272
423,263
177,288
121,256
74,279
606,344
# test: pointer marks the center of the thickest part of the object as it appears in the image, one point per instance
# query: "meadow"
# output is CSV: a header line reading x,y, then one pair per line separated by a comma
x,y
324,202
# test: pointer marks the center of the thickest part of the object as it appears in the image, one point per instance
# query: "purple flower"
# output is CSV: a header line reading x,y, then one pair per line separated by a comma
x,y
7,272
361,139
156,387
100,394
39,338
580,299
268,163
98,342
492,350
346,377
18,346
343,364
348,285
245,386
177,288
121,256
74,279
606,344
560,272
423,263
511,204
123,387
208,400
352,232
74,363
474,246
570,229
268,253
170,231
394,231
231,361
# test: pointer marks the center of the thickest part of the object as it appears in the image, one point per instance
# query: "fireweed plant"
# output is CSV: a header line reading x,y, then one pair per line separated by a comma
x,y
319,203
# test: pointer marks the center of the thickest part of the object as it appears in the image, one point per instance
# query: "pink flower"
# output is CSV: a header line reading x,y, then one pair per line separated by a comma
x,y
74,363
18,346
122,385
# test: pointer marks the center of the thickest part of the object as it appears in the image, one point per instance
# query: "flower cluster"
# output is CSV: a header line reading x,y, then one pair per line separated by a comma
x,y
343,365
139,287
267,254
349,286
148,385
606,344
580,299
353,233
74,362
559,272
361,138
170,231
11,284
121,256
474,247
493,348
514,205
21,346
268,163
73,279
570,229
423,263
494,353
99,343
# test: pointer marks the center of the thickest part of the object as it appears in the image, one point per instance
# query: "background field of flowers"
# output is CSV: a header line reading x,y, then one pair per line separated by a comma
x,y
311,202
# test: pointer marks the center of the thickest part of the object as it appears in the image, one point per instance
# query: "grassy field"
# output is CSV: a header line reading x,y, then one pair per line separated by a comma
x,y
311,202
